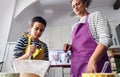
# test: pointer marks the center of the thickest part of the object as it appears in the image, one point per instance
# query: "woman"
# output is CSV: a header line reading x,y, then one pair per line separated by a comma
x,y
91,38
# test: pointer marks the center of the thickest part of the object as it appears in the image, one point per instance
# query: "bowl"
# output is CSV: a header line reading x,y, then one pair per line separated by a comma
x,y
98,75
29,75
9,74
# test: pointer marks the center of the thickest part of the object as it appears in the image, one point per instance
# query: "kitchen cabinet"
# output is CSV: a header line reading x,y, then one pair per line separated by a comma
x,y
115,39
60,71
55,72
118,32
66,72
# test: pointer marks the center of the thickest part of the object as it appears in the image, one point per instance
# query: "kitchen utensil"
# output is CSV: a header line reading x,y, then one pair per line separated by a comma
x,y
105,67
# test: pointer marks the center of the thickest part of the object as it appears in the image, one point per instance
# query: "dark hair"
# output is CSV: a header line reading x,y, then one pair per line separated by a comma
x,y
39,19
85,1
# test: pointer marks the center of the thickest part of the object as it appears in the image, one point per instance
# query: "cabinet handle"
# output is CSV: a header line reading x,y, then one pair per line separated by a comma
x,y
115,41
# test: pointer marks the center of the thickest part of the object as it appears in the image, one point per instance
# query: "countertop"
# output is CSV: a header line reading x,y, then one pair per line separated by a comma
x,y
61,65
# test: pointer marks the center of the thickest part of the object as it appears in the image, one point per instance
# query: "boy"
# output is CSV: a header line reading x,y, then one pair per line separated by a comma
x,y
29,46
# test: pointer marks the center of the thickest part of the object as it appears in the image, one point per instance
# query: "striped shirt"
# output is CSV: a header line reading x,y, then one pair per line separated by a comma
x,y
21,44
99,28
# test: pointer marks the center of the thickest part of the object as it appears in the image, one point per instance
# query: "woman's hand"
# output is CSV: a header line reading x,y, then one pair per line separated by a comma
x,y
96,56
66,47
91,67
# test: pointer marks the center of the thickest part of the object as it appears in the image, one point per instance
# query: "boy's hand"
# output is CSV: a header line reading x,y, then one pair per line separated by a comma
x,y
32,49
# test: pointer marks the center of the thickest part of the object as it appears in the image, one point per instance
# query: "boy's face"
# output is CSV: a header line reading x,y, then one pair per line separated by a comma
x,y
36,30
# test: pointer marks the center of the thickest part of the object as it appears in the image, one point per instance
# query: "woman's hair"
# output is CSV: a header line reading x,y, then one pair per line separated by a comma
x,y
85,1
38,19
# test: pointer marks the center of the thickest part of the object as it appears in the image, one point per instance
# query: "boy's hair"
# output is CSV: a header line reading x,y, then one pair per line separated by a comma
x,y
39,19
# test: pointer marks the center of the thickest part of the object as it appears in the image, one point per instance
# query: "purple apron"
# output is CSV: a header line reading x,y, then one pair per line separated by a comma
x,y
83,46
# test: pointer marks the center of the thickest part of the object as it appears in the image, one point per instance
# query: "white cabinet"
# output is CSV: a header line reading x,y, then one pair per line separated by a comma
x,y
118,32
66,72
55,72
113,25
59,72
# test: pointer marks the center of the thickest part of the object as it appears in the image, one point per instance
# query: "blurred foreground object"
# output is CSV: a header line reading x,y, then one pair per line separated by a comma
x,y
98,75
39,67
29,75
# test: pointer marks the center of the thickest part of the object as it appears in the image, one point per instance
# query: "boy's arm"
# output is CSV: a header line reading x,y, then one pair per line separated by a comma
x,y
19,47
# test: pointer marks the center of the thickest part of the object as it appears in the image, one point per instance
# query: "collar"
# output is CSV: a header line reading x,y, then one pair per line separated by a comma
x,y
82,19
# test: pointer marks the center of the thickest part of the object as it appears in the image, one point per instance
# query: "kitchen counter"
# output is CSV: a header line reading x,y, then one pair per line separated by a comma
x,y
61,70
61,65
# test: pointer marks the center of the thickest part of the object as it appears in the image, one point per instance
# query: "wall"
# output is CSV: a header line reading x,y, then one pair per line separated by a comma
x,y
6,12
20,5
109,12
21,18
60,29
21,22
113,17
58,24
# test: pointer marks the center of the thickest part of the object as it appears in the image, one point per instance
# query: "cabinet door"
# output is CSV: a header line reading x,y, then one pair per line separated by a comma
x,y
66,72
118,32
113,25
55,72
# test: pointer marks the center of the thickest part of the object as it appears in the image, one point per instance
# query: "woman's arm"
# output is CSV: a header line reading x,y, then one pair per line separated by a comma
x,y
105,40
96,56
